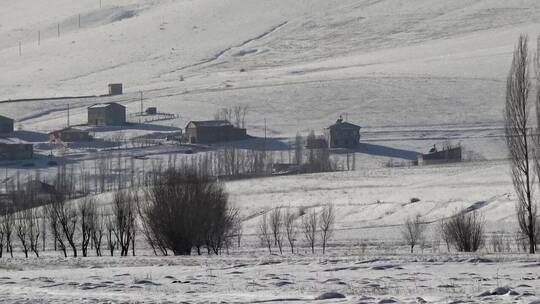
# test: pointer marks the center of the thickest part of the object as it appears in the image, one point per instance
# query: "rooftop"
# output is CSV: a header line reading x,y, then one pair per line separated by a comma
x,y
104,105
211,123
340,124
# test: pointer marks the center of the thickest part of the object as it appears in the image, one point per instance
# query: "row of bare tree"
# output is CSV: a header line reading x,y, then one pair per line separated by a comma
x,y
278,225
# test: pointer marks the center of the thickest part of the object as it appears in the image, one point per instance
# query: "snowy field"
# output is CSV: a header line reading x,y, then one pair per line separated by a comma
x,y
412,73
345,276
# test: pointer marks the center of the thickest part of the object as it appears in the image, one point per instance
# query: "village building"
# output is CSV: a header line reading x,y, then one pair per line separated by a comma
x,y
342,134
151,111
213,131
69,134
107,114
11,150
6,124
447,154
116,89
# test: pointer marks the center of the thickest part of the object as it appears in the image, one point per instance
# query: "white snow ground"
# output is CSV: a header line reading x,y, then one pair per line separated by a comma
x,y
412,73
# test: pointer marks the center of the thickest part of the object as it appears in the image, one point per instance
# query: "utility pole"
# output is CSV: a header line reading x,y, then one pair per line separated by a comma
x,y
68,115
58,30
265,135
20,50
39,38
79,20
141,103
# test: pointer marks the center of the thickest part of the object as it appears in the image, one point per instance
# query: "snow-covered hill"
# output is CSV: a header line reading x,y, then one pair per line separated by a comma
x,y
435,62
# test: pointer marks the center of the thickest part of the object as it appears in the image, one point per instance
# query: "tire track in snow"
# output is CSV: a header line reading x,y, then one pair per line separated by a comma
x,y
223,52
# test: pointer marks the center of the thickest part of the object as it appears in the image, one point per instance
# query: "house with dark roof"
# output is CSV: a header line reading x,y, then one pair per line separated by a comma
x,y
342,134
107,114
6,124
69,134
213,131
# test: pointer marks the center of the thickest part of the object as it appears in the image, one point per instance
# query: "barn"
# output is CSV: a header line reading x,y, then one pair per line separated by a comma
x,y
107,114
213,131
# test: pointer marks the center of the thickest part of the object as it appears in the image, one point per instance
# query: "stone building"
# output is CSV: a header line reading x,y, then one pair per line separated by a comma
x,y
107,114
213,131
342,135
6,124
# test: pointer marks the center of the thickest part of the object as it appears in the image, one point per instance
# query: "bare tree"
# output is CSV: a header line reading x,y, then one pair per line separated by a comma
x,y
7,227
66,218
518,140
110,235
413,231
291,229
2,238
86,214
276,226
21,229
58,238
97,227
326,224
124,218
298,149
309,228
32,218
264,232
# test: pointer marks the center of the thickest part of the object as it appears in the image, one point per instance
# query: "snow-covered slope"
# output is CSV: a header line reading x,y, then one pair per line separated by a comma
x,y
305,62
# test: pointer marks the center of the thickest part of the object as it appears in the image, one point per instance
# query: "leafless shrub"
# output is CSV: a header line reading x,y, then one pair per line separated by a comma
x,y
326,225
309,228
496,242
182,203
413,231
464,231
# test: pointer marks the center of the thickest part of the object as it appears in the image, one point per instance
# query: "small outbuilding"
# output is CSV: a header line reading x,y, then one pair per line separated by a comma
x,y
107,114
116,89
213,131
69,134
447,154
151,111
15,151
6,124
342,134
